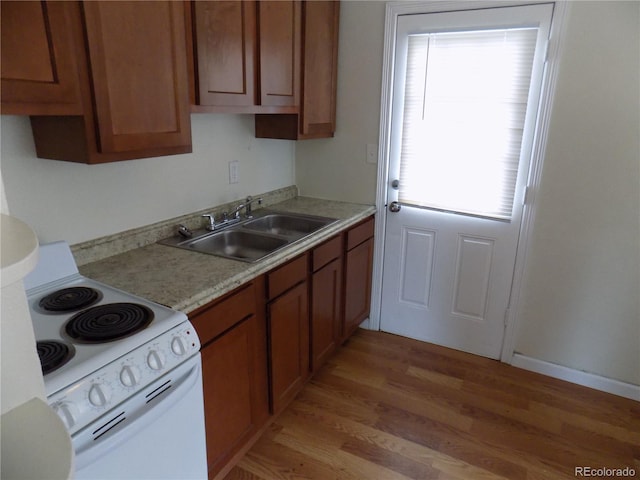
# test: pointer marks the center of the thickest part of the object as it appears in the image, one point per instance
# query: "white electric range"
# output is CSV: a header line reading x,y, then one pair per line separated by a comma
x,y
118,369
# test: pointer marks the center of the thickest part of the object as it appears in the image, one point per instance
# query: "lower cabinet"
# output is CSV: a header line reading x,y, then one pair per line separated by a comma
x,y
261,342
288,331
326,298
234,363
358,267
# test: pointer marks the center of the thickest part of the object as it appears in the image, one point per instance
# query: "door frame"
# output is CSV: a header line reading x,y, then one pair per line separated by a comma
x,y
554,51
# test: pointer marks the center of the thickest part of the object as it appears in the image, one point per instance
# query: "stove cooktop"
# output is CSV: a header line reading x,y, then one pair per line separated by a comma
x,y
81,325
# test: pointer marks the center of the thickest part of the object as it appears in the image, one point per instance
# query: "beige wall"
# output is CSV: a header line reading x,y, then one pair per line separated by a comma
x,y
75,202
336,168
581,290
581,287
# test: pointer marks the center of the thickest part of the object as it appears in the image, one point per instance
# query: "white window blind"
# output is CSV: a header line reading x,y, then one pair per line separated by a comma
x,y
464,111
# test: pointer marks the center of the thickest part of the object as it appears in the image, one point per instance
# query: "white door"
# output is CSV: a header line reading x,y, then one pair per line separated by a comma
x,y
466,90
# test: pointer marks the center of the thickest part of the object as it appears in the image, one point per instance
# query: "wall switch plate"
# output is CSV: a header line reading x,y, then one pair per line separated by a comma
x,y
372,153
234,171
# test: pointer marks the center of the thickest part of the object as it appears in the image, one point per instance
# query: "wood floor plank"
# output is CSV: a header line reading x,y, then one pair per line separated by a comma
x,y
390,442
389,459
629,432
314,445
388,407
272,460
434,377
447,440
399,397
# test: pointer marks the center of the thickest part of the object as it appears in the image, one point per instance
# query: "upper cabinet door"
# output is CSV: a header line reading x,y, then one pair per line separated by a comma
x,y
279,52
138,65
320,64
226,52
39,75
316,117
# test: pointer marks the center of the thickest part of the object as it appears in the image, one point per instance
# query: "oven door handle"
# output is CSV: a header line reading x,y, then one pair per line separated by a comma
x,y
136,413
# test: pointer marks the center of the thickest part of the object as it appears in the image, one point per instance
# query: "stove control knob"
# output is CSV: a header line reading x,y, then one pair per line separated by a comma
x,y
155,360
98,395
68,412
178,346
129,376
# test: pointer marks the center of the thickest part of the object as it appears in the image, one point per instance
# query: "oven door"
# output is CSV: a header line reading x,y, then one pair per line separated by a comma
x,y
157,434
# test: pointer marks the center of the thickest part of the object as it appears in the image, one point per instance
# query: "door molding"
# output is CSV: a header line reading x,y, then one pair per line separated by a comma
x,y
395,9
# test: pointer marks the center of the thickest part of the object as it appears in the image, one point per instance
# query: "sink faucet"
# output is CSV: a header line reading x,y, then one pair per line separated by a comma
x,y
212,222
247,207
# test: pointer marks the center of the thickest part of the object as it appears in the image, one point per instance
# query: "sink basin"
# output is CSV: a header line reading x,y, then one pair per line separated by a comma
x,y
236,244
288,225
251,240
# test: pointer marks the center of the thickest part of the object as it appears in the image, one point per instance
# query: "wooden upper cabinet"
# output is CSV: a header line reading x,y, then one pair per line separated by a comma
x,y
279,52
139,74
245,55
225,34
317,115
132,66
38,68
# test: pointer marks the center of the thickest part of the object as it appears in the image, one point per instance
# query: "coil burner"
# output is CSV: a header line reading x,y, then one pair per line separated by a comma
x,y
108,322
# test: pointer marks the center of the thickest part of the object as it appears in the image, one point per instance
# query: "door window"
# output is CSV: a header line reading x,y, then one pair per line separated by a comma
x,y
465,103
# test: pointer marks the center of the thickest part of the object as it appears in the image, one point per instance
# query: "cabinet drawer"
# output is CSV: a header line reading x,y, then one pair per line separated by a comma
x,y
328,251
212,321
360,233
283,278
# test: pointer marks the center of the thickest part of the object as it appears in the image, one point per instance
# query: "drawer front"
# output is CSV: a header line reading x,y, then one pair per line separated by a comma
x,y
325,253
360,233
283,278
212,321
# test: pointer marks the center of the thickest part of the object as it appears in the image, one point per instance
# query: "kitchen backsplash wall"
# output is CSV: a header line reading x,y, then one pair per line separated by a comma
x,y
77,202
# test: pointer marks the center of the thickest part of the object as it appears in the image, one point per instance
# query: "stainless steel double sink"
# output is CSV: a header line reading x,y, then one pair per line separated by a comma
x,y
254,238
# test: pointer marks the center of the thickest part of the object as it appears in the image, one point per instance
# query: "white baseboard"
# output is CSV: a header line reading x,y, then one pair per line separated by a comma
x,y
609,385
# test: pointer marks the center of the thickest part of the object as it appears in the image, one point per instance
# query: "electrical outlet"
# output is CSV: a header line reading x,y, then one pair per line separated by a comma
x,y
372,153
234,171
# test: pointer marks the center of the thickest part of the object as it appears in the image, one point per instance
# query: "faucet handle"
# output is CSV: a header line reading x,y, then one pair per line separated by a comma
x,y
183,231
212,221
247,206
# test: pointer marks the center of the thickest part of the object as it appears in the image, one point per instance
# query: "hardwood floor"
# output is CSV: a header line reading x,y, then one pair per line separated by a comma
x,y
386,407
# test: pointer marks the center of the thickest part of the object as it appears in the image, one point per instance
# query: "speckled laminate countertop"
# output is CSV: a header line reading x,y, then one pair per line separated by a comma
x,y
186,280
